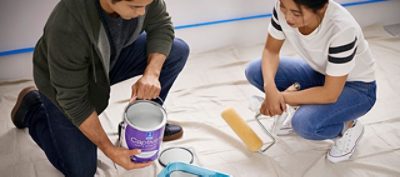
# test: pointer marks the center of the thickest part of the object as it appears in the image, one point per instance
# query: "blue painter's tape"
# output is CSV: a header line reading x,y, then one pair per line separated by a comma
x,y
180,27
349,4
17,51
222,21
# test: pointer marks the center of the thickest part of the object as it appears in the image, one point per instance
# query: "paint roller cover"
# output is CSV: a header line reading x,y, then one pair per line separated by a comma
x,y
240,127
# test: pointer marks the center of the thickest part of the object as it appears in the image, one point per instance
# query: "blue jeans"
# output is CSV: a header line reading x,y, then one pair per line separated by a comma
x,y
64,144
317,121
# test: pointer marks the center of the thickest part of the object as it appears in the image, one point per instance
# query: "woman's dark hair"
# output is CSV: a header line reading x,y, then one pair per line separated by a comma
x,y
314,5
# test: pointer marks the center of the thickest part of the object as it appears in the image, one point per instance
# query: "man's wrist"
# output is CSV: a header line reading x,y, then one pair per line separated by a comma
x,y
155,64
151,72
106,148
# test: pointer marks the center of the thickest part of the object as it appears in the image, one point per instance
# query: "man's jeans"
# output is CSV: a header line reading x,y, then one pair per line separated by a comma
x,y
317,121
63,143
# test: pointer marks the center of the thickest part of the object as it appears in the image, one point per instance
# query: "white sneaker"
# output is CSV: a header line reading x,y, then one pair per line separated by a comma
x,y
345,146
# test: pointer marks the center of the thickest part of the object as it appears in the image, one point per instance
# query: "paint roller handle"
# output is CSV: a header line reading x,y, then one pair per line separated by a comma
x,y
294,87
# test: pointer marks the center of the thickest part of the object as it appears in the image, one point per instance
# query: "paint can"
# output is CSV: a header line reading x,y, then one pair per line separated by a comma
x,y
176,154
143,128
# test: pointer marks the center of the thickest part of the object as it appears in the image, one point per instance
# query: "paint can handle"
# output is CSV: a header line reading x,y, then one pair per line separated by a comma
x,y
120,126
158,98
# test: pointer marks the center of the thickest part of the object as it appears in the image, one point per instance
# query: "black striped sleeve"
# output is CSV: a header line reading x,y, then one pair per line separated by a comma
x,y
343,48
276,25
340,60
337,54
275,19
275,14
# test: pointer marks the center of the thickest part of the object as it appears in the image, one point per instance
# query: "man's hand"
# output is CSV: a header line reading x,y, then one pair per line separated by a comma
x,y
122,157
92,129
147,87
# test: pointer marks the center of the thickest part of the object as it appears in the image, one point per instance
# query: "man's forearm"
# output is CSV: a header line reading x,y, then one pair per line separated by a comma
x,y
155,63
93,130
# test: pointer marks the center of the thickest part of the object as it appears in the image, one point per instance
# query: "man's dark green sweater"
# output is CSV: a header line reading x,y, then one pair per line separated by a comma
x,y
72,58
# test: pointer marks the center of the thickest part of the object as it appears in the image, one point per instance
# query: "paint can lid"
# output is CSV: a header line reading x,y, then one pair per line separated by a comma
x,y
175,154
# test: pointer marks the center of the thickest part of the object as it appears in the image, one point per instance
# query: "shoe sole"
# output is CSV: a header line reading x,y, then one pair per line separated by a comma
x,y
285,132
347,156
20,97
173,137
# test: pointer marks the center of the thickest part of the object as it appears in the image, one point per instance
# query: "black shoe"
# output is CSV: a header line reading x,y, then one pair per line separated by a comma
x,y
28,96
172,132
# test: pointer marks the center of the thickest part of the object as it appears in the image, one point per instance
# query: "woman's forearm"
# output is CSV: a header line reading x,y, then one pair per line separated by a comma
x,y
315,95
270,63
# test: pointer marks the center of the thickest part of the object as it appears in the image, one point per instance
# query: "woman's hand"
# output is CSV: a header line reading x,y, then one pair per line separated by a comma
x,y
274,104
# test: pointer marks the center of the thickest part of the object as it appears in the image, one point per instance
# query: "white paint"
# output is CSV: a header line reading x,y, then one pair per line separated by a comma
x,y
176,154
145,116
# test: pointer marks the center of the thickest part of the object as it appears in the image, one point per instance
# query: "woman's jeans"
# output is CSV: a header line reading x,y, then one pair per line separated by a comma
x,y
317,121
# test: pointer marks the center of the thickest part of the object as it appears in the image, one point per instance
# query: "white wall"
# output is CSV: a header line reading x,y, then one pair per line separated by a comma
x,y
251,32
22,21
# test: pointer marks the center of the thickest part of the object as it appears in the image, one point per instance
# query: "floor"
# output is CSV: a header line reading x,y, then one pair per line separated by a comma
x,y
211,82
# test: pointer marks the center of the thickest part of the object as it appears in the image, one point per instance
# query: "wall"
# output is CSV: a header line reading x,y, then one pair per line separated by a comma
x,y
22,21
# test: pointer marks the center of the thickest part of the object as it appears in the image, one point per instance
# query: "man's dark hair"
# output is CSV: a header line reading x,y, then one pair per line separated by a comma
x,y
115,1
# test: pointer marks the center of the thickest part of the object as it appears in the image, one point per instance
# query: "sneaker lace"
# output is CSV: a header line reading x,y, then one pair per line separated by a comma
x,y
343,143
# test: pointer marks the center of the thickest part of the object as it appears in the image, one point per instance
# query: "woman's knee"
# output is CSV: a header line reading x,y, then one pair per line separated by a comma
x,y
305,128
313,129
253,72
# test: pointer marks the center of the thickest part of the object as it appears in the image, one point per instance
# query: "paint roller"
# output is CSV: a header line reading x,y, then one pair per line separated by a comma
x,y
245,133
252,141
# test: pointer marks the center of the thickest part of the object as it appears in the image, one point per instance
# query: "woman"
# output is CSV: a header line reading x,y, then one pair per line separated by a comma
x,y
336,72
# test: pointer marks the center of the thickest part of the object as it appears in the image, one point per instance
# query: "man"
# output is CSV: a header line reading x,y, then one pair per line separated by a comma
x,y
87,46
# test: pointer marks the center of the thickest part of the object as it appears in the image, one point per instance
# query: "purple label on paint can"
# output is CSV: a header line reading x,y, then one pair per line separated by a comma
x,y
149,142
144,123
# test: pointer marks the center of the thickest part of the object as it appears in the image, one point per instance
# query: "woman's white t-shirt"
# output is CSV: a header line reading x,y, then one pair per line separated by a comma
x,y
336,48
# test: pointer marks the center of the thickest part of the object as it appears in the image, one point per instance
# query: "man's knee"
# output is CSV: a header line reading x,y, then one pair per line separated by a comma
x,y
81,169
82,165
180,49
177,57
